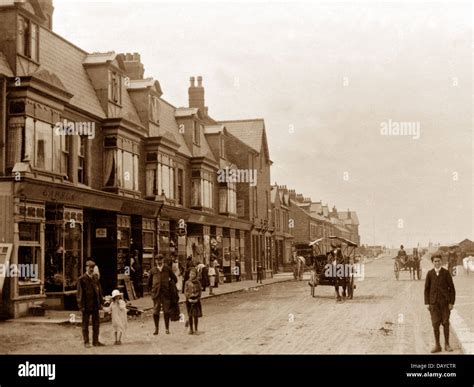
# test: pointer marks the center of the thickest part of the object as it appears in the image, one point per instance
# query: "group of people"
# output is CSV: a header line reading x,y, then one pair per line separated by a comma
x,y
164,279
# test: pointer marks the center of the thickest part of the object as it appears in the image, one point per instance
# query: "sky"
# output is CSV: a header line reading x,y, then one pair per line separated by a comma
x,y
335,82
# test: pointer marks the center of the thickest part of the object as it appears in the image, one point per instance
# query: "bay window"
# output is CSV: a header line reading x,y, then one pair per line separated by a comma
x,y
202,189
120,165
160,175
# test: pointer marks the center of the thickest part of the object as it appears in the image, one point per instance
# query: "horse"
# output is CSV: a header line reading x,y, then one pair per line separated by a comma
x,y
299,263
339,266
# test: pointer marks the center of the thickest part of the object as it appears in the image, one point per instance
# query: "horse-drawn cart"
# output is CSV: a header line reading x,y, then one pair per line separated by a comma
x,y
410,263
334,264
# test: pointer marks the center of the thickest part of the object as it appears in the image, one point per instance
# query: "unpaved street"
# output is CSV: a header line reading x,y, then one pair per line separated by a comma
x,y
385,317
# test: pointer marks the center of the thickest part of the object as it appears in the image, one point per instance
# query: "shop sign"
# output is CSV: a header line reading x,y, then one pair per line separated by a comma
x,y
101,233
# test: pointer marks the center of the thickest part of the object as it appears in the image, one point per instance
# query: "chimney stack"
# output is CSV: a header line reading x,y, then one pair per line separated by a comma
x,y
133,65
348,213
196,95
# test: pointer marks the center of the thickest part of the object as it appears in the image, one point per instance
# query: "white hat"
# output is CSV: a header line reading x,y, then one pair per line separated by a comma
x,y
116,293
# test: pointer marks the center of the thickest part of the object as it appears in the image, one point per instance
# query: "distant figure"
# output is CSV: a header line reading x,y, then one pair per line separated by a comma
x,y
259,272
402,255
452,261
440,295
237,269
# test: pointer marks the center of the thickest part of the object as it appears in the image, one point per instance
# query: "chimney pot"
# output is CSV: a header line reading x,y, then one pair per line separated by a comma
x,y
199,79
192,81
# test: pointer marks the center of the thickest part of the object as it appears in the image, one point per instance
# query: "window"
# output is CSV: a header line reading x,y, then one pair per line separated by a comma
x,y
43,148
160,177
27,40
228,199
115,92
154,110
222,147
64,154
180,184
121,169
202,189
81,155
196,134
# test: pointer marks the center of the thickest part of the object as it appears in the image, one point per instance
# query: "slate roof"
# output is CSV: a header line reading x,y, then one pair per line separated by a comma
x,y
65,61
4,66
249,132
169,127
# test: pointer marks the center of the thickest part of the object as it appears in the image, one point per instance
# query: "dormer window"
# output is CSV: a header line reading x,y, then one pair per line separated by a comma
x,y
27,40
115,89
154,110
222,147
196,133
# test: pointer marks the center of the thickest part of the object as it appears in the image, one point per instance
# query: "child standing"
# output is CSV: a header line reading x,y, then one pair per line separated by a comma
x,y
193,301
118,309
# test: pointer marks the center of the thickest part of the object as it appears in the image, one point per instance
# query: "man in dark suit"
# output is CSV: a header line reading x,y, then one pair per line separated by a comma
x,y
159,283
439,297
89,301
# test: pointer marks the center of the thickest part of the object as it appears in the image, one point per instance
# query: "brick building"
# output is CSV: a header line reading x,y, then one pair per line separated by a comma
x,y
94,162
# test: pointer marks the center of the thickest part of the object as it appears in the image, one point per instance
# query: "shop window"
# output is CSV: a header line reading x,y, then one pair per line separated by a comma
x,y
63,256
29,259
27,40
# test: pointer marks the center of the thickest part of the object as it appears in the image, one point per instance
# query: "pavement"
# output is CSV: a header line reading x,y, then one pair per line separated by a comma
x,y
144,304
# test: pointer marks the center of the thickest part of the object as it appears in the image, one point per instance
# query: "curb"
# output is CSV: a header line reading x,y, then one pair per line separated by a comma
x,y
230,292
462,333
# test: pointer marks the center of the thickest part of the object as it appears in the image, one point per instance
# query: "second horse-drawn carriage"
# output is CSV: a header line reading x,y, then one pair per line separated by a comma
x,y
410,263
334,263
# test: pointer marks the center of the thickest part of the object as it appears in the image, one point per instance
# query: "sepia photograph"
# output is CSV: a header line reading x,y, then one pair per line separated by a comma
x,y
236,178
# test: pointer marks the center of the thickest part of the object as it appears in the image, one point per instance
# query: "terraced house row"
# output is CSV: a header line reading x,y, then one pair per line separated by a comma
x,y
94,162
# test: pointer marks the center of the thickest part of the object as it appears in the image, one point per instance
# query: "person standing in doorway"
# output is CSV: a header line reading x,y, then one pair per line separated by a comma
x,y
259,272
440,295
159,283
89,301
237,270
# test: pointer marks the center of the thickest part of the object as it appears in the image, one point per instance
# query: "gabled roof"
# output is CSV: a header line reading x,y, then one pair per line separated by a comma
x,y
251,132
4,66
65,61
